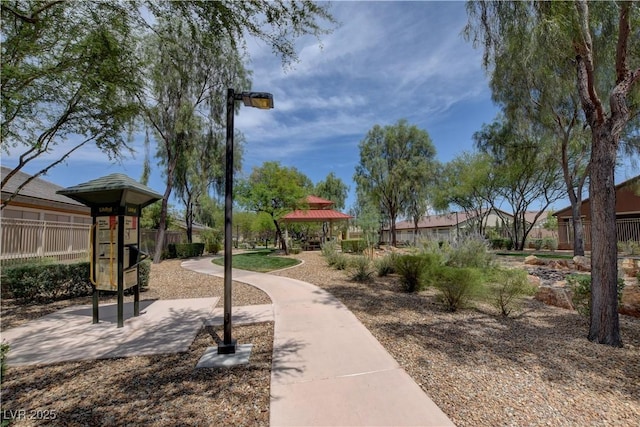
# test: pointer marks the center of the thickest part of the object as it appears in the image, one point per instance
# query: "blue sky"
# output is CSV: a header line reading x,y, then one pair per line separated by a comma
x,y
386,61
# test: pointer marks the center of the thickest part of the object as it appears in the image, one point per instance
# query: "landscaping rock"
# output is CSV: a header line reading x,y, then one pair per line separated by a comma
x,y
534,260
556,296
630,267
582,263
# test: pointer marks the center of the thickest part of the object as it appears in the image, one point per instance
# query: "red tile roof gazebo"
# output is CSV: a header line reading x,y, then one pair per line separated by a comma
x,y
319,211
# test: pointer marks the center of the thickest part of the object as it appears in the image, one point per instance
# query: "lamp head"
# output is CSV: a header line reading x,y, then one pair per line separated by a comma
x,y
262,100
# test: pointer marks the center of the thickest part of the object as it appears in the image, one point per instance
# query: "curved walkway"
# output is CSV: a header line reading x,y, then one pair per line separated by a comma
x,y
328,369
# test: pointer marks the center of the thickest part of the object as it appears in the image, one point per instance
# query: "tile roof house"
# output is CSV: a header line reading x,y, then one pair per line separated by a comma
x,y
627,216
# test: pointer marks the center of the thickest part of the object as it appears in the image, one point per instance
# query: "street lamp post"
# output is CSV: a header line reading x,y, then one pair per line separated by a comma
x,y
260,100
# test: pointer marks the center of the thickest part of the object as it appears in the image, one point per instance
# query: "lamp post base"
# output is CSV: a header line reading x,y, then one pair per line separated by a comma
x,y
227,348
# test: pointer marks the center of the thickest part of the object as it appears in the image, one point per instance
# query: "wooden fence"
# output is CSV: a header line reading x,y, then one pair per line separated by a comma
x,y
627,230
25,240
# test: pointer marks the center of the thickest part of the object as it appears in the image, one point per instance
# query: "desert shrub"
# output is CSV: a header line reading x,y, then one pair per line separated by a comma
x,y
329,248
629,247
295,250
360,269
338,260
507,289
581,292
471,251
414,270
4,349
213,240
355,246
536,244
385,265
550,243
457,285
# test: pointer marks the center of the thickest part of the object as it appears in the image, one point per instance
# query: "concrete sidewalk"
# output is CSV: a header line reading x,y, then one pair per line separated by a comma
x,y
328,370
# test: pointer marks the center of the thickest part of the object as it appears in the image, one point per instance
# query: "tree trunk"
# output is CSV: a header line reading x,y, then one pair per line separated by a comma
x,y
162,225
283,242
604,323
578,228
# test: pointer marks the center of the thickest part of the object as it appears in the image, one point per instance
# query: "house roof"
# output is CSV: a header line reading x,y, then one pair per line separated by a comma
x,y
567,211
315,215
435,221
38,189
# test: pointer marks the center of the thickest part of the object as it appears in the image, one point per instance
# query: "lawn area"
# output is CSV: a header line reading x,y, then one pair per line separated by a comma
x,y
260,261
552,255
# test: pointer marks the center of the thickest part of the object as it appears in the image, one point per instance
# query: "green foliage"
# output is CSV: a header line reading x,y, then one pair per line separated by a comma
x,y
360,269
329,248
457,285
38,282
385,265
212,240
332,188
185,250
392,159
507,289
550,243
471,251
144,270
414,270
356,246
338,260
4,349
629,247
581,292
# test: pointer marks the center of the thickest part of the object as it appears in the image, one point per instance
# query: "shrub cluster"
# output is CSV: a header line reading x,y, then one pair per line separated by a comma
x,y
506,289
414,270
360,269
356,246
501,243
45,282
581,292
385,265
186,250
547,243
457,285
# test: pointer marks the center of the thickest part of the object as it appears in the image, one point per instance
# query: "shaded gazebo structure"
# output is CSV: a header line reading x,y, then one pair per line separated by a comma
x,y
319,211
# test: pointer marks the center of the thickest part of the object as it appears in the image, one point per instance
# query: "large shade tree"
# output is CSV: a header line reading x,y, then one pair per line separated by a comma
x,y
69,74
274,190
602,42
393,159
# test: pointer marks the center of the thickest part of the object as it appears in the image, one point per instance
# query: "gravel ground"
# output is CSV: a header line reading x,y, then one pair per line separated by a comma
x,y
534,369
162,390
482,370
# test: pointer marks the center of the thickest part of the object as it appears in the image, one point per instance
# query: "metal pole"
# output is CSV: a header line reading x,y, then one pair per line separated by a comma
x,y
229,345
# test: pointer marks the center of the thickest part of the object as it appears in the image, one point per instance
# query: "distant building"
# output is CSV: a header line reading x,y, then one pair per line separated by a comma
x,y
627,216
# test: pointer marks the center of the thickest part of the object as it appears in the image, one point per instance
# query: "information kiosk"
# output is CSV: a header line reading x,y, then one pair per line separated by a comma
x,y
116,202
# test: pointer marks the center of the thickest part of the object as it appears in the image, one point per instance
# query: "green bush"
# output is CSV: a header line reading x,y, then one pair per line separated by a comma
x,y
472,251
4,349
550,243
328,249
144,269
42,282
581,289
338,261
414,270
507,289
295,250
385,265
360,269
457,285
185,250
356,246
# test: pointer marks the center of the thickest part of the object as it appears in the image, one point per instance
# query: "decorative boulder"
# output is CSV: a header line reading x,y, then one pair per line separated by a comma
x,y
534,260
582,263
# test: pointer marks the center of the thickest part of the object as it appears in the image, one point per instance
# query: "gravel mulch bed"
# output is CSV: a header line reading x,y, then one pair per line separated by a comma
x,y
536,368
159,390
